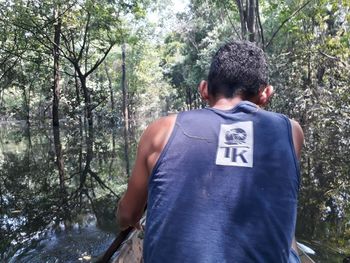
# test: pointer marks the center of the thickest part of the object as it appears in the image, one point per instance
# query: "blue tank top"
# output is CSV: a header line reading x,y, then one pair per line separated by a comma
x,y
224,189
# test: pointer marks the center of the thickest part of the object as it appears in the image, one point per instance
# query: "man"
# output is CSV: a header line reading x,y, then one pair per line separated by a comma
x,y
221,183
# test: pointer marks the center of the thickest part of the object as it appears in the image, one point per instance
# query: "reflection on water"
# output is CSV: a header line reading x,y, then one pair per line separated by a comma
x,y
58,190
81,241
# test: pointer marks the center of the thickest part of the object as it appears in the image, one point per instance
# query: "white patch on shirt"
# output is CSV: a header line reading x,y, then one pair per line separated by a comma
x,y
235,146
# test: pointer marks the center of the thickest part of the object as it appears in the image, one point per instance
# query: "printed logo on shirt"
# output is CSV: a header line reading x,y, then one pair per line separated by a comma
x,y
235,146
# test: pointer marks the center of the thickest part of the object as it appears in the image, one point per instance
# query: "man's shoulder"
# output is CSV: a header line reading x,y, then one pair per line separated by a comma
x,y
277,116
162,123
298,137
157,133
272,113
295,128
194,115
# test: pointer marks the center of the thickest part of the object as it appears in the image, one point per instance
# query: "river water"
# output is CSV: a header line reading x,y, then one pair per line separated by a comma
x,y
60,207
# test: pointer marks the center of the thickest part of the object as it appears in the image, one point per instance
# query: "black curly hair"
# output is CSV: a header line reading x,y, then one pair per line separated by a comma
x,y
238,67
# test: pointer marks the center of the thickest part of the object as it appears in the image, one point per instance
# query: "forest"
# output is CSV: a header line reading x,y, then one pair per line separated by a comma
x,y
81,79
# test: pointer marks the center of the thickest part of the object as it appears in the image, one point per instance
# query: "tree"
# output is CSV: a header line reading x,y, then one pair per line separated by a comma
x,y
56,60
125,111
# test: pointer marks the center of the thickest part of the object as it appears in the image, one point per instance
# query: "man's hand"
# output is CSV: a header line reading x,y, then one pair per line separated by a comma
x,y
124,223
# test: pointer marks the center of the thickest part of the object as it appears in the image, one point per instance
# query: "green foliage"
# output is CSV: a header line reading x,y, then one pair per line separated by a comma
x,y
89,29
311,76
188,52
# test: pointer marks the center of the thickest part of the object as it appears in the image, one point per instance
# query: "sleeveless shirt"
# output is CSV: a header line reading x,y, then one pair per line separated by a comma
x,y
224,189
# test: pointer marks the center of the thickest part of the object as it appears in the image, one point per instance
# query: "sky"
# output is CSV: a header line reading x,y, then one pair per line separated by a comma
x,y
180,5
177,7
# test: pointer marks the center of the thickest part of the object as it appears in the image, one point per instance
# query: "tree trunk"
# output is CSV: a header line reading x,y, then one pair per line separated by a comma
x,y
251,20
242,18
59,159
56,65
125,112
77,90
113,155
26,104
77,104
87,99
111,93
248,16
189,98
1,98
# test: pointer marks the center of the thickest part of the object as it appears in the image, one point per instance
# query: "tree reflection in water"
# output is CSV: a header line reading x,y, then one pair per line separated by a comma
x,y
58,185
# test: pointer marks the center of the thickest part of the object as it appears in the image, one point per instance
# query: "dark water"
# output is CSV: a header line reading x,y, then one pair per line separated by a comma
x,y
58,191
58,213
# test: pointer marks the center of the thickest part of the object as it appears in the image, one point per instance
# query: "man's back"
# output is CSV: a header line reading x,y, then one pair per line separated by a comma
x,y
224,189
221,185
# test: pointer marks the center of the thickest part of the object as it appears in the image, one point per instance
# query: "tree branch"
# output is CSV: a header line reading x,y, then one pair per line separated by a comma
x,y
331,57
67,45
285,21
102,184
229,19
35,35
8,69
260,25
98,62
85,36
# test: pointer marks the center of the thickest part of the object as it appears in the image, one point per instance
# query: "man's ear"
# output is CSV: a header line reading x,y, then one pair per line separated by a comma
x,y
203,90
265,94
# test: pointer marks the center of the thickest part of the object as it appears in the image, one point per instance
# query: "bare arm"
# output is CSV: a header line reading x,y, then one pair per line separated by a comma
x,y
298,141
298,137
152,142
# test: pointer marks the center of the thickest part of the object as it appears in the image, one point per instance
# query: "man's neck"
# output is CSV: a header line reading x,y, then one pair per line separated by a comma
x,y
223,103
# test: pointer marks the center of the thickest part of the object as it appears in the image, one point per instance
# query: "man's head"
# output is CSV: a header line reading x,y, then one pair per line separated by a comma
x,y
237,68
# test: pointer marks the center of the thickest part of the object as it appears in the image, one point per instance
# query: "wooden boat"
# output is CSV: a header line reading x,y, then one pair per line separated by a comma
x,y
131,250
305,258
